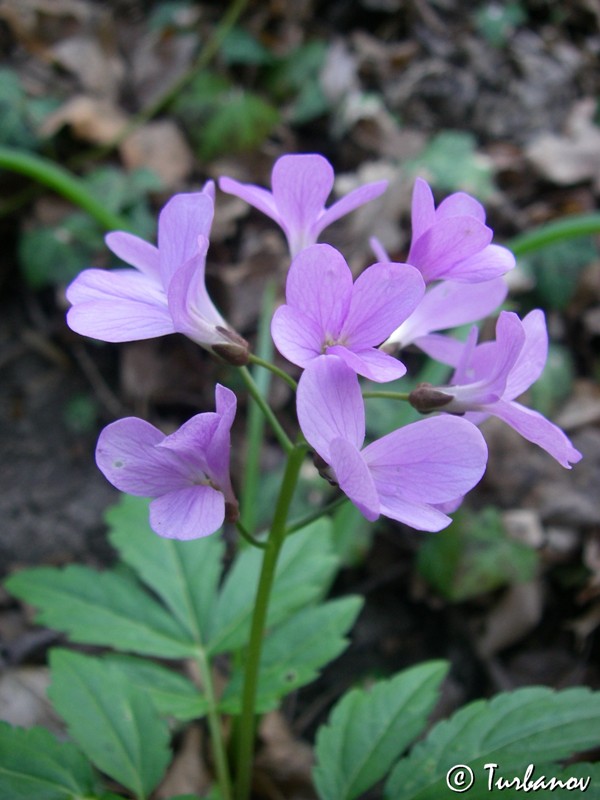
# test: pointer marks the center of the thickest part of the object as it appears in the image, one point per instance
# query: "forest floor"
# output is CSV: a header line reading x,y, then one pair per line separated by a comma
x,y
497,99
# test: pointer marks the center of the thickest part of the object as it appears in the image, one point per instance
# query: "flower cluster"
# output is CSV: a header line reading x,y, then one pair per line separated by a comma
x,y
335,329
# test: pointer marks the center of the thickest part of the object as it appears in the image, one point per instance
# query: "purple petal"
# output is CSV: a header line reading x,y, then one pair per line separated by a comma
x,y
190,443
330,405
378,249
460,204
354,478
420,516
441,348
193,312
129,455
301,185
383,296
537,429
496,360
448,305
423,209
430,461
253,195
297,337
188,513
135,251
353,200
118,306
184,218
440,250
218,451
490,263
370,363
532,358
319,284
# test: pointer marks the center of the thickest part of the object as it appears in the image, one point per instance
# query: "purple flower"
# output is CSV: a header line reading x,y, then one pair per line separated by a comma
x,y
491,375
452,242
301,185
326,313
404,475
448,304
165,292
187,472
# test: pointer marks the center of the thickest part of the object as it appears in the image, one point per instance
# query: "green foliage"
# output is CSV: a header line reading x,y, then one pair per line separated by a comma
x,y
20,115
556,270
110,719
55,254
33,764
497,21
295,79
113,609
295,651
172,694
352,535
451,163
103,608
555,384
369,729
241,47
80,413
532,725
220,117
473,556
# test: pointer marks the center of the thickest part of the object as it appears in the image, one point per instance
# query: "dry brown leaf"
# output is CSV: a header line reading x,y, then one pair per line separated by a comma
x,y
91,119
575,156
284,760
98,70
23,700
517,613
161,147
188,773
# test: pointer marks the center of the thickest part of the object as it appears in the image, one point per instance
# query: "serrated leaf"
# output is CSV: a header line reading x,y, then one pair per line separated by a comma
x,y
533,725
102,608
33,764
110,719
369,729
305,567
294,653
185,575
173,694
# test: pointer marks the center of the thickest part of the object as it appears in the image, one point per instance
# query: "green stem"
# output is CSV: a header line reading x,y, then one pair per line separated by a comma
x,y
248,536
255,424
567,228
388,395
259,618
297,525
214,726
275,370
254,392
63,182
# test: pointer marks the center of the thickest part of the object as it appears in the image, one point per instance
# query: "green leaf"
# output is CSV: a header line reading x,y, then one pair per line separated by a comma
x,y
110,719
305,568
369,729
185,575
173,694
241,47
555,383
352,535
102,608
294,653
451,162
556,270
33,764
241,122
473,556
533,725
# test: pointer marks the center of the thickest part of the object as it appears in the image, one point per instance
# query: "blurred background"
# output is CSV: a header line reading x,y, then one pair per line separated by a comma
x,y
142,100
